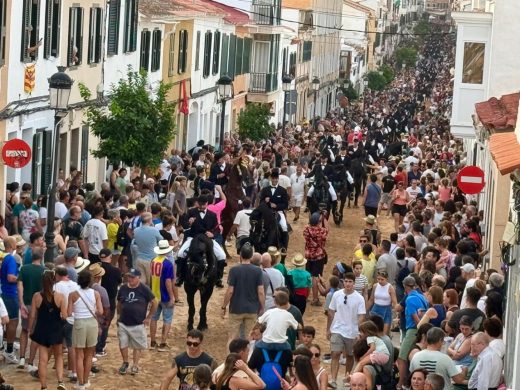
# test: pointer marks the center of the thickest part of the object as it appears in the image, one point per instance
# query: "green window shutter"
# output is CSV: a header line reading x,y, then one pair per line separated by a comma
x,y
238,55
224,55
26,34
84,150
114,12
207,54
46,160
51,44
156,50
197,51
232,54
246,62
135,16
3,28
171,55
216,52
145,50
285,51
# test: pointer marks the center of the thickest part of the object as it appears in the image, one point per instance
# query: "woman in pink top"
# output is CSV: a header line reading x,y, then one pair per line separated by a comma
x,y
400,199
217,208
445,190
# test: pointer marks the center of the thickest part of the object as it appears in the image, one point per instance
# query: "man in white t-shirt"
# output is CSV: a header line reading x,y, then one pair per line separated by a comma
x,y
346,312
273,279
284,181
410,159
413,190
95,235
242,225
468,273
65,286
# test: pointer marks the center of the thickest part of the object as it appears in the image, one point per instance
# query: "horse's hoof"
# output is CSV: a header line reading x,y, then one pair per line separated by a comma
x,y
219,284
202,327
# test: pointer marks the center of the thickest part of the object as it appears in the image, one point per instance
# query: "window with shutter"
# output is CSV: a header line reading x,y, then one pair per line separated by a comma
x,y
145,50
246,58
2,30
224,55
75,50
292,65
114,12
156,51
207,54
232,53
51,44
95,35
197,51
216,52
30,30
285,51
84,150
238,56
131,16
183,51
171,55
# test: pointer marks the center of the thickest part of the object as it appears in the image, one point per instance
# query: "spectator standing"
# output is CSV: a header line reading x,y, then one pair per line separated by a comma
x,y
9,281
184,364
111,280
85,304
315,235
228,380
274,279
134,301
387,262
95,235
488,371
346,312
297,191
382,300
372,197
146,238
48,308
104,319
163,278
302,282
29,283
245,294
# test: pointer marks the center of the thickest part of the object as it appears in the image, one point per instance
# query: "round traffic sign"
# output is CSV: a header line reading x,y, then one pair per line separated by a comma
x,y
470,180
16,153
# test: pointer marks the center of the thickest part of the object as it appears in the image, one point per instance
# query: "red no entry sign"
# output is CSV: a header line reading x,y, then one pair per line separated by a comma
x,y
471,180
16,153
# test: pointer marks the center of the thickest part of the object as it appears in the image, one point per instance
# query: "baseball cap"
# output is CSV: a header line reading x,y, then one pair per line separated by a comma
x,y
468,268
71,252
133,272
105,252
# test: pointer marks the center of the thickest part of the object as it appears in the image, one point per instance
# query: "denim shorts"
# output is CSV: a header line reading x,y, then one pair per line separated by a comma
x,y
385,312
12,307
166,311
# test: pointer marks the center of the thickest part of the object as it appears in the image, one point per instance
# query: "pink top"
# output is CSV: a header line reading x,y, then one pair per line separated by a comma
x,y
444,193
217,209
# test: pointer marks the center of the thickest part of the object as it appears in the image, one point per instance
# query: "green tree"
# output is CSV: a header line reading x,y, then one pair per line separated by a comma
x,y
422,28
253,122
350,92
376,80
388,73
137,127
406,55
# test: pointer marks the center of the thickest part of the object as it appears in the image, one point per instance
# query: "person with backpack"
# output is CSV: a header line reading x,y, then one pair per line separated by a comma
x,y
404,267
272,366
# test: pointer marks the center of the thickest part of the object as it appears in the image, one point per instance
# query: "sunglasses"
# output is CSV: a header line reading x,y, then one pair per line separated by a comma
x,y
363,241
316,355
192,344
345,300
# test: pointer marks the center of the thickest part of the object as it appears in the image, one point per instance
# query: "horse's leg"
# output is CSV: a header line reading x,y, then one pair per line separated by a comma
x,y
205,295
190,298
343,199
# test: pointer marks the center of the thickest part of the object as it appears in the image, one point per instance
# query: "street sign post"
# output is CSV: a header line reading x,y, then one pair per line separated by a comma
x,y
16,153
470,180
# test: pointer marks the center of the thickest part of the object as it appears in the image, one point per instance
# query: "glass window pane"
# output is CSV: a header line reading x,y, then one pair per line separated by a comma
x,y
473,64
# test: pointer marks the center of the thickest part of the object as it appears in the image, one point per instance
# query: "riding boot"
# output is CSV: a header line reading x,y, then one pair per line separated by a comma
x,y
181,271
220,273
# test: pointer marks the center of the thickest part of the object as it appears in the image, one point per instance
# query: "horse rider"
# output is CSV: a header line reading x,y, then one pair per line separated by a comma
x,y
322,185
323,166
279,202
343,158
219,170
201,221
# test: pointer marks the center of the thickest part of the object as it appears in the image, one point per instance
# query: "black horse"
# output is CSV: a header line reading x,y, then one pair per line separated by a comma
x,y
343,189
359,174
201,276
320,200
265,229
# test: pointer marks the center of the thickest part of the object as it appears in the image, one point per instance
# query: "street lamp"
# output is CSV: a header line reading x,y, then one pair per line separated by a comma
x,y
286,87
60,85
225,92
315,88
365,85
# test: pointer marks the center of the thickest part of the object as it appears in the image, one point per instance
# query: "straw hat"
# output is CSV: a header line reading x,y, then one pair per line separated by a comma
x,y
163,248
96,270
370,219
298,260
273,251
19,240
81,264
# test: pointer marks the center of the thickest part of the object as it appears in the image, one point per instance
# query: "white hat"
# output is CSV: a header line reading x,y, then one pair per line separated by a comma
x,y
81,264
163,248
468,268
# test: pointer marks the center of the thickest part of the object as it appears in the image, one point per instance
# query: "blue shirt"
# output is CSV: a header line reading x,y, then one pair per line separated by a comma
x,y
9,267
27,256
146,239
415,301
373,195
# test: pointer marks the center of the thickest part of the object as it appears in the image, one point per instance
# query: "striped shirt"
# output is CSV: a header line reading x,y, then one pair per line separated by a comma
x,y
361,282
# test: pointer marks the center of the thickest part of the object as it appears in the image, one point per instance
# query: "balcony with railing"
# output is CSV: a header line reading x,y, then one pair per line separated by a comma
x,y
263,82
266,12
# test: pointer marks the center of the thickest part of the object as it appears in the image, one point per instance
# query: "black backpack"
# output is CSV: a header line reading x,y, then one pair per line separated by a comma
x,y
403,272
122,237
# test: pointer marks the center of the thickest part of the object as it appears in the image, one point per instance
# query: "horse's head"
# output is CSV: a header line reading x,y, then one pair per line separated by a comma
x,y
201,260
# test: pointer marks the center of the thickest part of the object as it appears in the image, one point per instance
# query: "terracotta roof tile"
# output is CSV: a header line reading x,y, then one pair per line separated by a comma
x,y
234,16
178,8
505,150
499,114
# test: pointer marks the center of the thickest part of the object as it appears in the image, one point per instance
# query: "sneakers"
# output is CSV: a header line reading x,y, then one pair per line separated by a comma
x,y
21,363
134,370
124,368
10,358
342,361
153,344
163,347
101,354
94,359
61,386
30,368
333,384
72,377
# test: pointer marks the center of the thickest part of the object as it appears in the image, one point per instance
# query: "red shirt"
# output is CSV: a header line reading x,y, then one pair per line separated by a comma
x,y
315,239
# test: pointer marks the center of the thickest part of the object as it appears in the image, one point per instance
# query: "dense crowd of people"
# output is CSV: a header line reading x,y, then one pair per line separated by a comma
x,y
123,251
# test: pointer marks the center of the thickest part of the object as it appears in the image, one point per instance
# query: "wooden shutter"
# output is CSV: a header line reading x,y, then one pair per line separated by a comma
x,y
114,12
84,151
232,53
224,55
197,51
246,61
71,37
91,36
79,32
207,54
2,30
284,61
145,50
133,33
35,33
156,50
171,55
99,35
216,52
185,52
46,160
26,24
238,55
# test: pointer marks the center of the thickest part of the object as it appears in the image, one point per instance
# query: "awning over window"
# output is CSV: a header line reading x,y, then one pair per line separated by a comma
x,y
505,150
